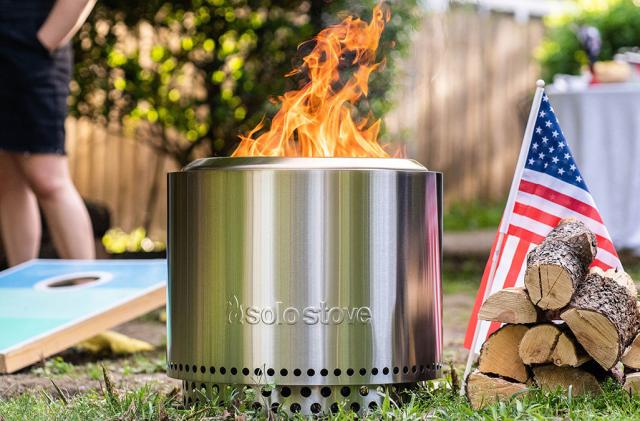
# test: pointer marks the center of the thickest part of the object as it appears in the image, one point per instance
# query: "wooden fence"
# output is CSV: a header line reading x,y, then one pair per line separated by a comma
x,y
120,173
463,101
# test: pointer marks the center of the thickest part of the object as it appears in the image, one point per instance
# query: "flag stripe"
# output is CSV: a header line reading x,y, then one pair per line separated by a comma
x,y
536,227
561,199
553,220
508,243
519,256
473,322
525,234
532,237
537,177
542,203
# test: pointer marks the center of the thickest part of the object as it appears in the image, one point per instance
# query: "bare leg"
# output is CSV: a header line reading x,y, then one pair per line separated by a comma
x,y
67,217
19,216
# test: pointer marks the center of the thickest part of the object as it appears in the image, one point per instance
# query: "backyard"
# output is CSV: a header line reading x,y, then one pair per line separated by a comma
x,y
356,125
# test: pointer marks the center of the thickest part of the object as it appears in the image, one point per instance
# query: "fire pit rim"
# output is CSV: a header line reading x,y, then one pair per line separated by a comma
x,y
305,163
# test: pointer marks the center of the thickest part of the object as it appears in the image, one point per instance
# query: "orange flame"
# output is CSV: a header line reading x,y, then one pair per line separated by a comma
x,y
316,121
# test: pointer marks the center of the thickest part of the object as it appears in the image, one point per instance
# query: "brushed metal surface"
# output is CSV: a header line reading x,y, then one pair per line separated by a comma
x,y
295,272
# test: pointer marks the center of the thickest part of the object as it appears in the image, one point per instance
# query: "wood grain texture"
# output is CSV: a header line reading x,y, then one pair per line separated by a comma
x,y
550,377
510,305
603,317
499,354
482,389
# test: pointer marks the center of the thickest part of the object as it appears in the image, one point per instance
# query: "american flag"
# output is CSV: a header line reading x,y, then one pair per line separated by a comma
x,y
548,188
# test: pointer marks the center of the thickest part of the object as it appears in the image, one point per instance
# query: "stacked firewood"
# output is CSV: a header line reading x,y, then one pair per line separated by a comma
x,y
569,326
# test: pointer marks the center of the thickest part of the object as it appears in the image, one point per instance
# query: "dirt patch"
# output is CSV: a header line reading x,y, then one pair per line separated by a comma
x,y
456,312
79,372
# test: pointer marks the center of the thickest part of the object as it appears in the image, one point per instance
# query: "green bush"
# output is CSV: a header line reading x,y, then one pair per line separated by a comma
x,y
617,20
190,75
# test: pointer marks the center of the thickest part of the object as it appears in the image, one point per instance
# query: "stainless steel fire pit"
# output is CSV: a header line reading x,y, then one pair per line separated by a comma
x,y
311,280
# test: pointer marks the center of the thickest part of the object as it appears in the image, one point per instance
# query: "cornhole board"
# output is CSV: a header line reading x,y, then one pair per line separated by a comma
x,y
47,306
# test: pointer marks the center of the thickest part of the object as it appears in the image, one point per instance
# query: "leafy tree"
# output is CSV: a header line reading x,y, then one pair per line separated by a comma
x,y
617,20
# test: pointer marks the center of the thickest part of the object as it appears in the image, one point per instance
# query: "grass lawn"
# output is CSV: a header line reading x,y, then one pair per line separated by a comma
x,y
428,402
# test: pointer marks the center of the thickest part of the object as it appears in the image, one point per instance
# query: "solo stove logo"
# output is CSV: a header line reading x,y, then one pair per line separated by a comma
x,y
238,313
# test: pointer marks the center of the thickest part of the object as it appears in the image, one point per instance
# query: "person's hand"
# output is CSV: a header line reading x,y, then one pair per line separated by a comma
x,y
45,41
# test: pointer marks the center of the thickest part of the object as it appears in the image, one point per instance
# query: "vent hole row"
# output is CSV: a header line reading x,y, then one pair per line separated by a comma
x,y
315,408
297,372
295,407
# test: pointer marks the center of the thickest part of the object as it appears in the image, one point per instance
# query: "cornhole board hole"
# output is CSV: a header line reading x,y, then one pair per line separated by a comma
x,y
47,306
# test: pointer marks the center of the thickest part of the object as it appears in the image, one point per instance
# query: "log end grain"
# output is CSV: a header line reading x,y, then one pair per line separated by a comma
x,y
482,389
499,354
550,377
597,335
510,305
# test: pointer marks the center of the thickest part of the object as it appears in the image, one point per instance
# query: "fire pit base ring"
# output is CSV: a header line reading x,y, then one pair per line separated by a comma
x,y
302,400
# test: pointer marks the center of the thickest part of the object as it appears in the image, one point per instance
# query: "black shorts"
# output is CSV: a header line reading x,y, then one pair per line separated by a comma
x,y
34,85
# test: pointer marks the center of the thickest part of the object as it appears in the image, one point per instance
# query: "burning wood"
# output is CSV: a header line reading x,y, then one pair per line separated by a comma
x,y
316,120
601,321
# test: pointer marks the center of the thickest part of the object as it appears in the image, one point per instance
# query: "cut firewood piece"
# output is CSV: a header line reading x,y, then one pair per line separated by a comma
x,y
559,263
550,344
509,305
569,352
538,343
603,317
631,356
632,383
553,273
482,389
551,377
499,354
578,237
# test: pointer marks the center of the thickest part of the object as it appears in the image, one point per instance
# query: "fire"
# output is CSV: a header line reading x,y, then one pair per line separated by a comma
x,y
316,120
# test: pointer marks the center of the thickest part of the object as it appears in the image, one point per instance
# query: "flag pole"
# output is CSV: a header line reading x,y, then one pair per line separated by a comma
x,y
506,218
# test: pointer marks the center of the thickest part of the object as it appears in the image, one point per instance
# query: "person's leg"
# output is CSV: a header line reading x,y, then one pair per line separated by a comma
x,y
19,216
67,217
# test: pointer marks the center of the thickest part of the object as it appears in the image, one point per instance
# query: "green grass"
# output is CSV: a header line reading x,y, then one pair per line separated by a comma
x,y
461,275
141,363
428,402
472,216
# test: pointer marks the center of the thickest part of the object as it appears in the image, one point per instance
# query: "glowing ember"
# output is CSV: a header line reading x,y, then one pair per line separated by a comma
x,y
316,121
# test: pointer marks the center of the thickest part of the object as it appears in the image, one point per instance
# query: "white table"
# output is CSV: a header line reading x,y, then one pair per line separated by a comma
x,y
602,127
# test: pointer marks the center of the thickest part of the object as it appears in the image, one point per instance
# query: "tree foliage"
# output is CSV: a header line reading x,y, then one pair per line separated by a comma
x,y
190,75
617,20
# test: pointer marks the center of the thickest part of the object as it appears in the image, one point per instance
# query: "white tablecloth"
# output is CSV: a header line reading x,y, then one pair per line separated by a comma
x,y
602,127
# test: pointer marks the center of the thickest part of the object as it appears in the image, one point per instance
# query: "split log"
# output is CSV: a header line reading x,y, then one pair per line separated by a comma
x,y
510,305
631,356
499,354
603,317
557,265
484,390
578,237
550,344
632,383
621,278
551,377
568,351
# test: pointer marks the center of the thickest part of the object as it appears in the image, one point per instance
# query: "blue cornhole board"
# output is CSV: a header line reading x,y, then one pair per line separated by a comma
x,y
43,312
